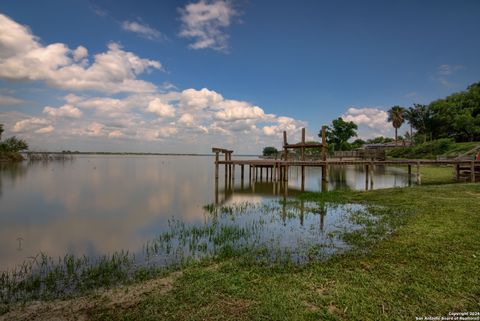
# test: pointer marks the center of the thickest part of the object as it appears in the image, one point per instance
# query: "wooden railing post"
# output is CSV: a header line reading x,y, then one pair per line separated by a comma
x,y
324,143
216,165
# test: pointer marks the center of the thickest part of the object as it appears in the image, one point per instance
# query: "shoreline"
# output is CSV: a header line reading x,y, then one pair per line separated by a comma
x,y
438,242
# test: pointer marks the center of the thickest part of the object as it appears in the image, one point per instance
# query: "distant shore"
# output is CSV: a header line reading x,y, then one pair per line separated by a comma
x,y
135,153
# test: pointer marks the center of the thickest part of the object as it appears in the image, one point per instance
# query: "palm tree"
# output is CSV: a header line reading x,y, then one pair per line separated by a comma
x,y
397,117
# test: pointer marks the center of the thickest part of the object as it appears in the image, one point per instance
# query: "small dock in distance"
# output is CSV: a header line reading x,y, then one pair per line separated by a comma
x,y
277,170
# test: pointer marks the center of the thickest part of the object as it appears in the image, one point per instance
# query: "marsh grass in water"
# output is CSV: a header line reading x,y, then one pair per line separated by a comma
x,y
268,233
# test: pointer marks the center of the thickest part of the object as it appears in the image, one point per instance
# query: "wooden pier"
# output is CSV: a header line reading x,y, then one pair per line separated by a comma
x,y
277,170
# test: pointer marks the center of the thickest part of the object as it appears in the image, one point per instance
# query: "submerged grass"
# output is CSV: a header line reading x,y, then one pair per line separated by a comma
x,y
266,234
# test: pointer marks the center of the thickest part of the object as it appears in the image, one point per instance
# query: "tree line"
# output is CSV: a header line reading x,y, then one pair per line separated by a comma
x,y
456,117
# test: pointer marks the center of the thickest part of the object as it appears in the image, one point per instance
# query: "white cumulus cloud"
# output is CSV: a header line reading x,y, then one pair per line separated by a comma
x,y
186,119
64,111
30,124
45,130
22,57
374,118
161,108
143,30
205,22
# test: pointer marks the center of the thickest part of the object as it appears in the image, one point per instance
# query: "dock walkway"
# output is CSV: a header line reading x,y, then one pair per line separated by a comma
x,y
277,169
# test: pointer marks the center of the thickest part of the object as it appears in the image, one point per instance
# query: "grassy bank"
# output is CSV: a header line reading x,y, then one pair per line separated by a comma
x,y
429,266
430,150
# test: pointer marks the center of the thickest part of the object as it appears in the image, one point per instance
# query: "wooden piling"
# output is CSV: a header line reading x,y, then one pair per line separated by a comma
x,y
371,175
324,155
324,143
366,177
216,191
216,166
409,174
226,166
303,144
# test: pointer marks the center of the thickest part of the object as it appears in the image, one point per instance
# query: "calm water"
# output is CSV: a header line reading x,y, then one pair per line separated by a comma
x,y
95,205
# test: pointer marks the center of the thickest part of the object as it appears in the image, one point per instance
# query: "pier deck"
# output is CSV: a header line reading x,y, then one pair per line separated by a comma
x,y
277,169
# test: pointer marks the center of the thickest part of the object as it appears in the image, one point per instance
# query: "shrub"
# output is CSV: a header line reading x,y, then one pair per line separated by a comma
x,y
13,145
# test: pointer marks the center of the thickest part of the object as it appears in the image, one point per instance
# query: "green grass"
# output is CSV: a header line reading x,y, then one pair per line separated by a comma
x,y
429,266
436,175
432,149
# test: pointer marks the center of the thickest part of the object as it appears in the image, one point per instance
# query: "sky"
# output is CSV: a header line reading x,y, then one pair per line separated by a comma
x,y
184,76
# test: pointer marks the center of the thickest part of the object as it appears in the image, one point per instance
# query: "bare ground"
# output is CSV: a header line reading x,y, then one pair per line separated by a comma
x,y
77,309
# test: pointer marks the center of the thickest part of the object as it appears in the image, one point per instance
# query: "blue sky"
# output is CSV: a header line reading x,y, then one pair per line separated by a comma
x,y
186,75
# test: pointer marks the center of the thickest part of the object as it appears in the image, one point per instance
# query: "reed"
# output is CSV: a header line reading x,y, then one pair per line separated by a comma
x,y
48,157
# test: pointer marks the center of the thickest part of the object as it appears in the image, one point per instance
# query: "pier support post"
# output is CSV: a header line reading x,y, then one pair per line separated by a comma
x,y
324,158
409,174
302,186
216,166
324,143
233,173
216,191
371,175
324,173
366,177
303,144
303,177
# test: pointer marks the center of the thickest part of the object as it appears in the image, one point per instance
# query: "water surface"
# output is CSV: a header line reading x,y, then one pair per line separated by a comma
x,y
95,205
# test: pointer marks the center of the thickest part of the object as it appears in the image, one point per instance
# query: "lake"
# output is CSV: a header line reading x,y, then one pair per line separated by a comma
x,y
95,205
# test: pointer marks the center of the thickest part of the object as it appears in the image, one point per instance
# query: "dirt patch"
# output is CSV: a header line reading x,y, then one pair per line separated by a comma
x,y
311,307
332,309
236,307
77,309
473,194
